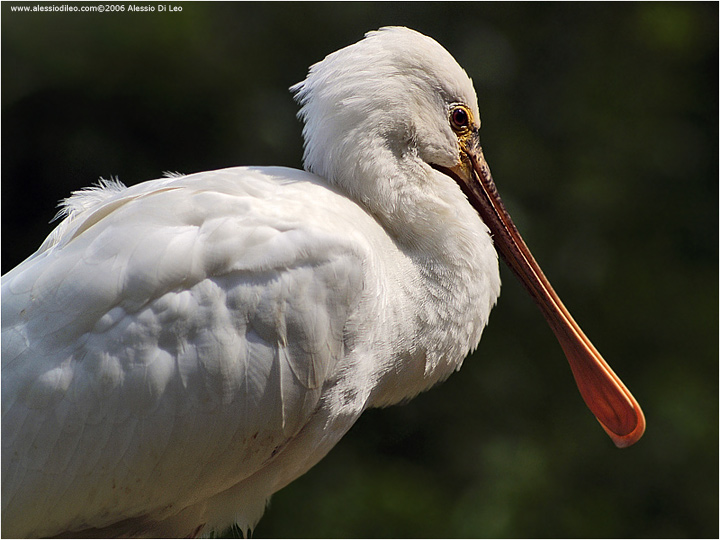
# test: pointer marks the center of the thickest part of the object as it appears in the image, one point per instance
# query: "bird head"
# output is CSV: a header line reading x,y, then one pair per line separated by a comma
x,y
379,112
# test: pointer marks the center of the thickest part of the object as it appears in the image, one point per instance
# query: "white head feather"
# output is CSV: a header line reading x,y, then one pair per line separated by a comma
x,y
376,115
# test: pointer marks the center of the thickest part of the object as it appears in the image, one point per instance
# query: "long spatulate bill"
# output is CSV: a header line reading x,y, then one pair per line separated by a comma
x,y
604,393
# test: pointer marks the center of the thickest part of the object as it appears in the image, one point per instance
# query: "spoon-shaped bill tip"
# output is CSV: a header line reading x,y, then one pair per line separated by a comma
x,y
603,392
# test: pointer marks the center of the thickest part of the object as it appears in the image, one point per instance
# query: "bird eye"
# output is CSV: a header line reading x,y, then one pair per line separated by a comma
x,y
459,118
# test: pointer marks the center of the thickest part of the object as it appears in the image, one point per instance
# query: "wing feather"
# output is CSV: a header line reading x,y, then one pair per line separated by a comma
x,y
166,342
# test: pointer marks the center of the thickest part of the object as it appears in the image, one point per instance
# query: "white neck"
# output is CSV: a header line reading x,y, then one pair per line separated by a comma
x,y
451,282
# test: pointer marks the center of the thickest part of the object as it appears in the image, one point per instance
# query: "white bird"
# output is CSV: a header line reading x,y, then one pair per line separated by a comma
x,y
177,351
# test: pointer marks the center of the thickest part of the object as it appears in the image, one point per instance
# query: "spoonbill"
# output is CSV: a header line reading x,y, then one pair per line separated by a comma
x,y
177,351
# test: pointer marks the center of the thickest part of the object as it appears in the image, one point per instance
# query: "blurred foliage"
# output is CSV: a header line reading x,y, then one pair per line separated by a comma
x,y
601,124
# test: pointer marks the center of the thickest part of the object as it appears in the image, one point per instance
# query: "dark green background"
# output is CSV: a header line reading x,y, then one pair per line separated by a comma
x,y
600,122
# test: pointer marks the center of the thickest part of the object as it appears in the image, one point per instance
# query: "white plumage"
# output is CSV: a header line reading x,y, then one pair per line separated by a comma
x,y
179,350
